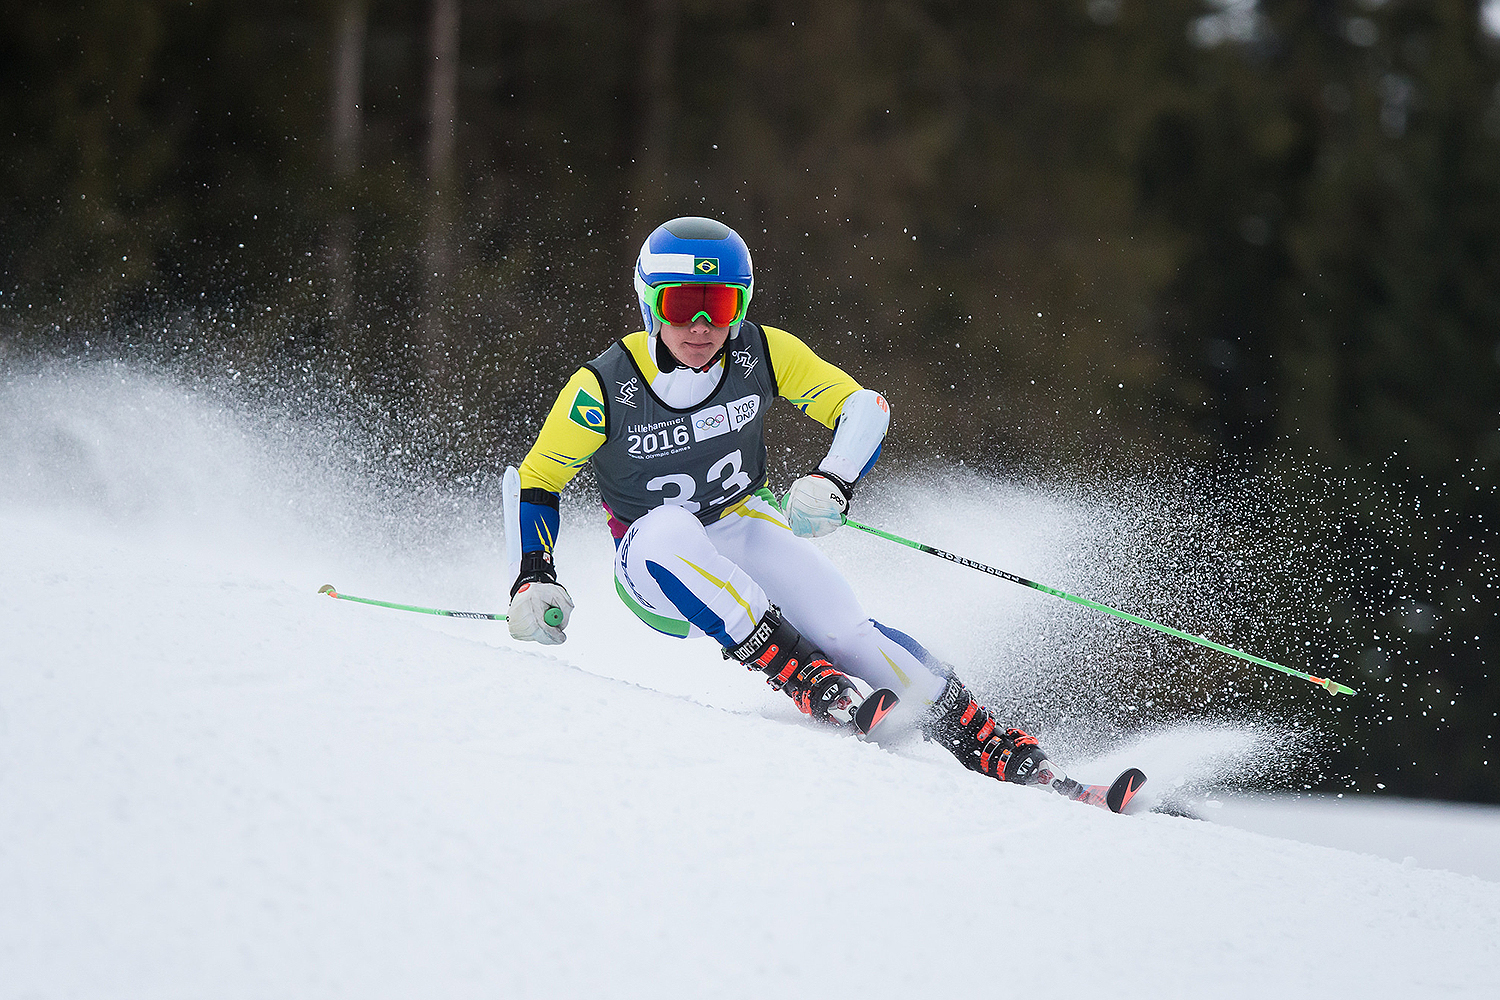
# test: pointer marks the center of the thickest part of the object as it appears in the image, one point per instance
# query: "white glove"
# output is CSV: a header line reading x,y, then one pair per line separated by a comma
x,y
815,505
528,611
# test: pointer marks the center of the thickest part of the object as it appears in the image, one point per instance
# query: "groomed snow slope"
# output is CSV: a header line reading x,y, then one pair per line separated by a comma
x,y
216,783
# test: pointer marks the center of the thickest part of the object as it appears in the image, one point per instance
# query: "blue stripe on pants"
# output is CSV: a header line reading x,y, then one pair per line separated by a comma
x,y
688,604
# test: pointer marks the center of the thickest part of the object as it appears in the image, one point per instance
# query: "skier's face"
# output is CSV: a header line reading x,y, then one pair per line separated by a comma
x,y
695,344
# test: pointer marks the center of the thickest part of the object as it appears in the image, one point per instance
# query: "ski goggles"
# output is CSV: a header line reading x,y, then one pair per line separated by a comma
x,y
680,305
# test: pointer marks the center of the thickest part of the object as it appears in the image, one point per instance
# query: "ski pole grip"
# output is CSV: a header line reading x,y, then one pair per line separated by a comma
x,y
553,617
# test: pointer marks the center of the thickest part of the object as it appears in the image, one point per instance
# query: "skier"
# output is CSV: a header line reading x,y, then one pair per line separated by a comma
x,y
672,418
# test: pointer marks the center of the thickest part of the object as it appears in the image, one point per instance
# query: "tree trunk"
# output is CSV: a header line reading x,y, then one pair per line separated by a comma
x,y
442,113
345,122
658,108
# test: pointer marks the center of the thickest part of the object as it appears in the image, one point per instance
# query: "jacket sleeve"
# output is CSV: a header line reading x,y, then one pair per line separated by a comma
x,y
574,429
859,417
816,387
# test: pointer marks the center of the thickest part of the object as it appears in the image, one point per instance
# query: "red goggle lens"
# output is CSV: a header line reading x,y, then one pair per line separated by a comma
x,y
679,305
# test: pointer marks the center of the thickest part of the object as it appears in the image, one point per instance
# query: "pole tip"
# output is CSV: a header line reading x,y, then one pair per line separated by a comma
x,y
327,588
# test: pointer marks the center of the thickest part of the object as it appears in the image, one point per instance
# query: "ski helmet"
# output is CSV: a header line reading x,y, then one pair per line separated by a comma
x,y
692,251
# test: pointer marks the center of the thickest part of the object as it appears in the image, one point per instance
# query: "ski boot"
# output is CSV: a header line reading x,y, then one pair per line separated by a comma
x,y
965,727
967,730
819,689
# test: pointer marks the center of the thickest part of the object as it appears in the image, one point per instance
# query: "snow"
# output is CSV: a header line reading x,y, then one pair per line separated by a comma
x,y
1453,836
217,782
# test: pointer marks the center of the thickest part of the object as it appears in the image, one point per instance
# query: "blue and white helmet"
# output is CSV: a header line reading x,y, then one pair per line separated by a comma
x,y
692,251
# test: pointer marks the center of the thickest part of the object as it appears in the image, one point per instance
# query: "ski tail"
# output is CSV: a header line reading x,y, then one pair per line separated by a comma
x,y
1114,796
1123,789
874,709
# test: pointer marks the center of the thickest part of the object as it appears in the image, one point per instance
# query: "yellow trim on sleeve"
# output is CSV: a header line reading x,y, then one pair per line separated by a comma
x,y
574,429
816,387
639,346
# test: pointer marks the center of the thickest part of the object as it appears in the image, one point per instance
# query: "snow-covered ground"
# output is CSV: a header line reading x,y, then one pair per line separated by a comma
x,y
216,783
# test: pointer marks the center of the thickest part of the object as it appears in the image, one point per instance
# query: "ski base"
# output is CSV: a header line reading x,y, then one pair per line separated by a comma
x,y
1114,796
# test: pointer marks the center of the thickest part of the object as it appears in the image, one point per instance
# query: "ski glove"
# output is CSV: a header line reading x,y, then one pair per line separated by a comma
x,y
528,611
534,596
816,504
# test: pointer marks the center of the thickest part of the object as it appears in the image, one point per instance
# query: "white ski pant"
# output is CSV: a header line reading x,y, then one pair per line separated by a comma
x,y
687,579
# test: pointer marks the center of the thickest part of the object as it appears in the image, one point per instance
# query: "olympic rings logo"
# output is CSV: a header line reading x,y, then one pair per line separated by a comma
x,y
711,421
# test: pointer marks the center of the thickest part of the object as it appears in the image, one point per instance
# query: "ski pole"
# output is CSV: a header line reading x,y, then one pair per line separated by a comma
x,y
553,617
1332,687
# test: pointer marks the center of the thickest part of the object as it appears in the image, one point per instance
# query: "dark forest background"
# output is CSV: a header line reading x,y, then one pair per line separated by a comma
x,y
1090,234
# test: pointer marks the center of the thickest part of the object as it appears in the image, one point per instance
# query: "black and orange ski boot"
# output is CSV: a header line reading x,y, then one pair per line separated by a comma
x,y
968,731
793,664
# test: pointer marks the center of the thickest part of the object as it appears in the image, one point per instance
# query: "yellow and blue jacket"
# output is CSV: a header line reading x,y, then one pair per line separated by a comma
x,y
568,439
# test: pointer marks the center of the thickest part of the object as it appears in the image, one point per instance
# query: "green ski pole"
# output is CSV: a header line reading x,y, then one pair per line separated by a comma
x,y
1332,687
553,617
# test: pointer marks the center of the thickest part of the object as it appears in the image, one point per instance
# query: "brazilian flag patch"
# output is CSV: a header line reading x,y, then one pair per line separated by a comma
x,y
706,265
587,412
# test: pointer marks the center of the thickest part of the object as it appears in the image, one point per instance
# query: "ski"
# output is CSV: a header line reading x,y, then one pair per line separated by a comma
x,y
1114,796
874,709
1123,789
